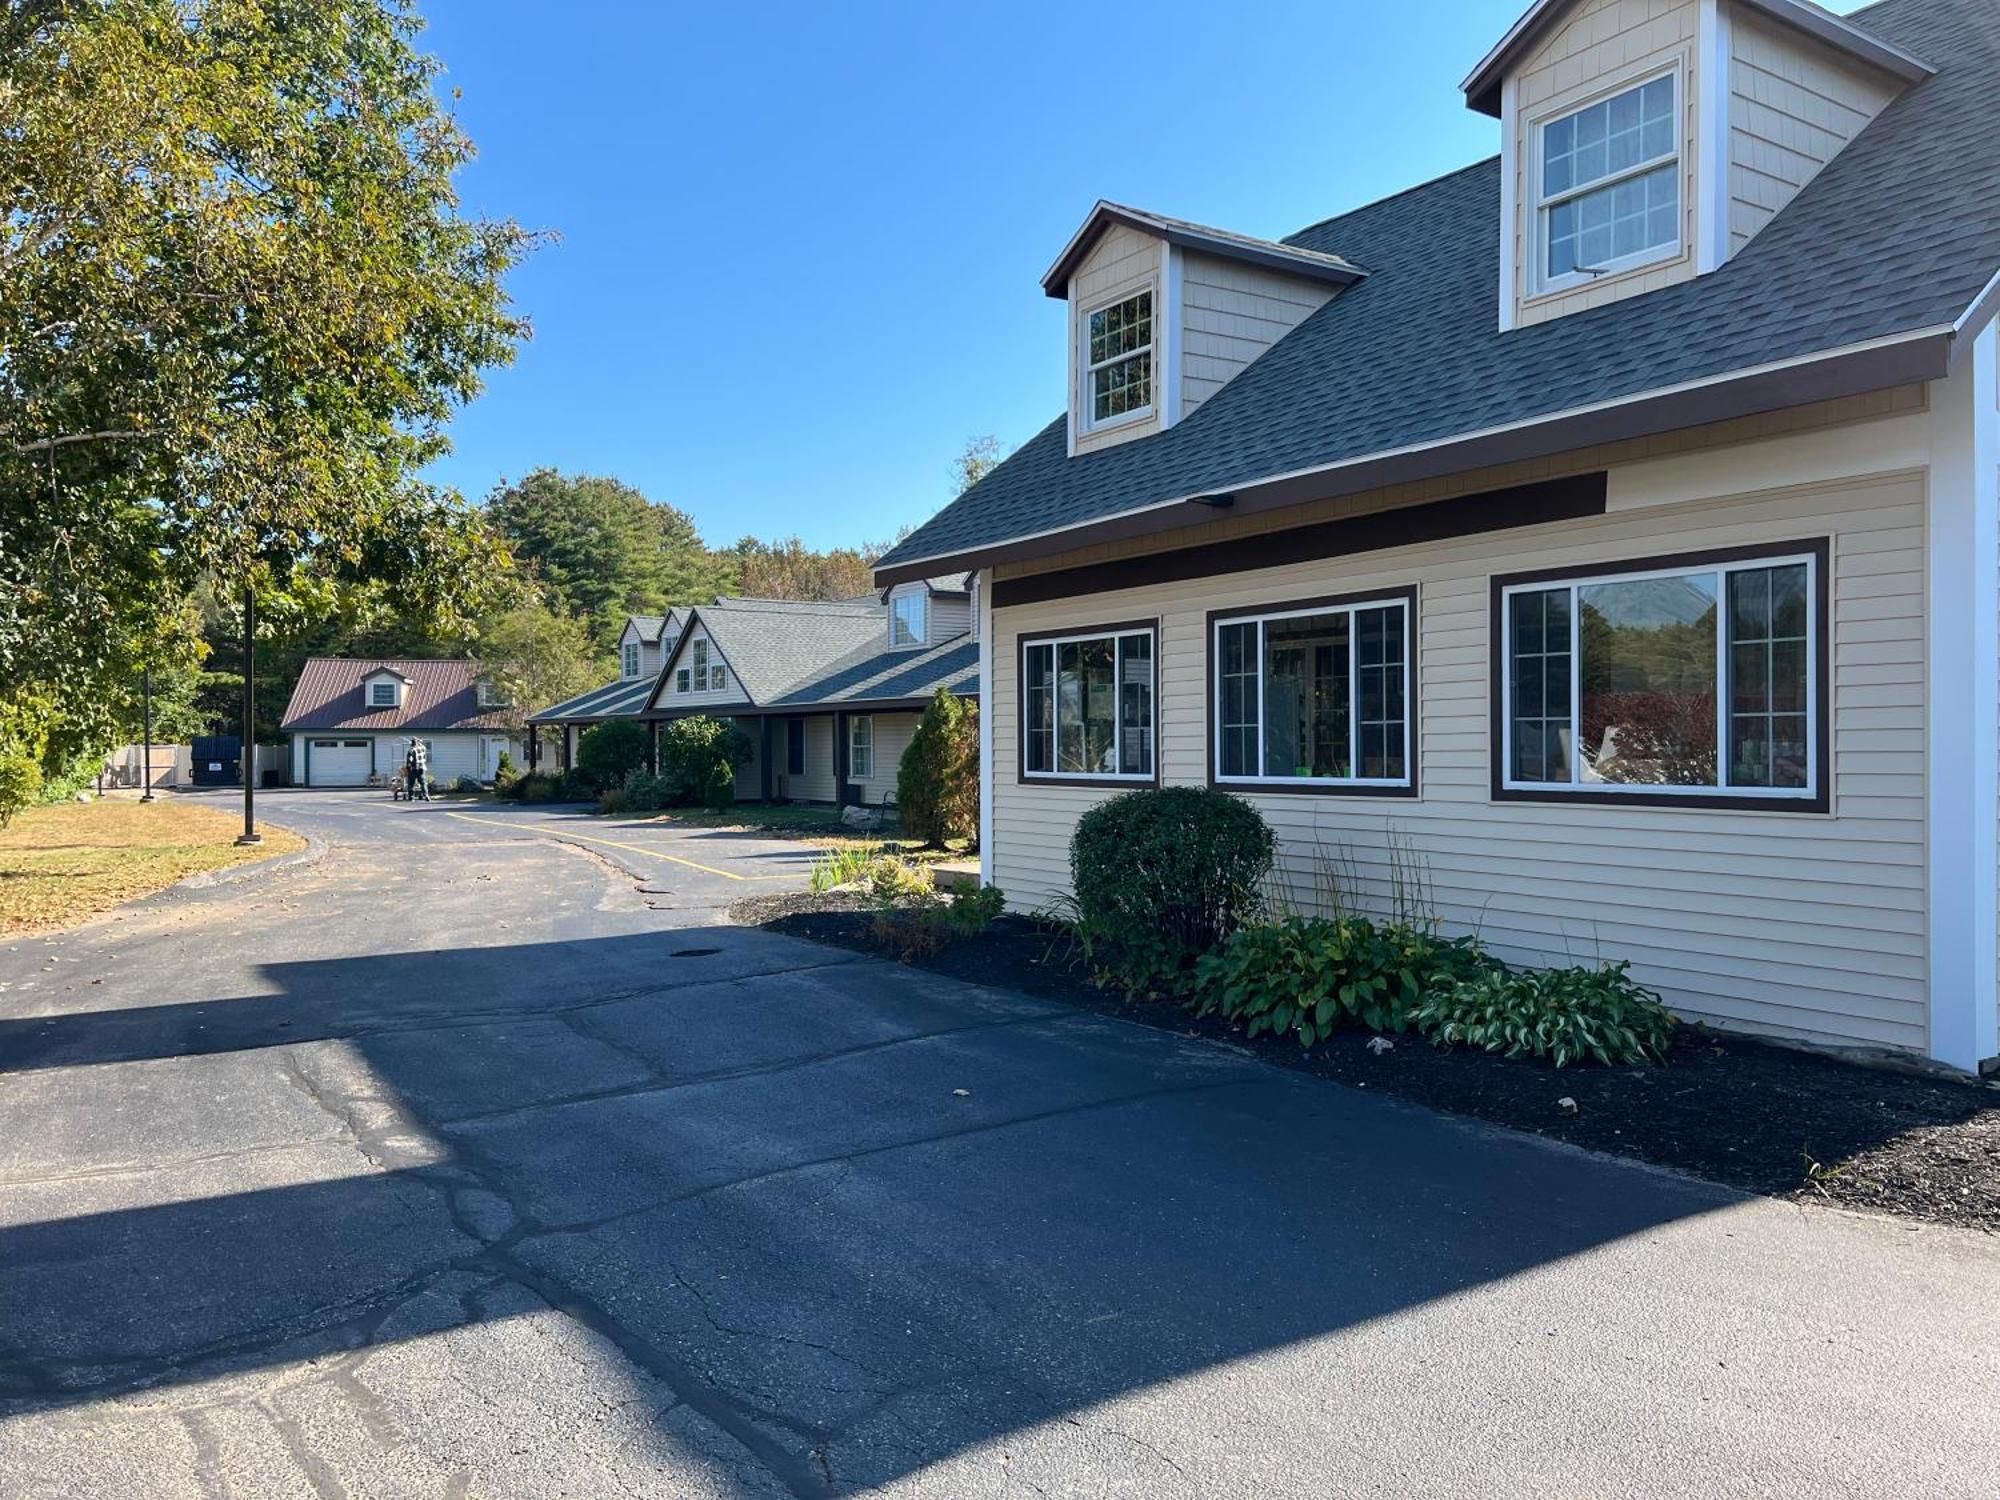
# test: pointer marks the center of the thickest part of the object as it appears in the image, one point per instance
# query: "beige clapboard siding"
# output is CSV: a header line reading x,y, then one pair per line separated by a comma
x,y
1602,44
1808,925
1230,314
892,738
701,697
816,784
950,615
1793,103
1121,263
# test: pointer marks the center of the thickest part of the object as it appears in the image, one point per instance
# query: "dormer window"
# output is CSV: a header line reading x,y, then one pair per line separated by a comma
x,y
1119,372
1610,180
382,694
491,694
906,620
631,655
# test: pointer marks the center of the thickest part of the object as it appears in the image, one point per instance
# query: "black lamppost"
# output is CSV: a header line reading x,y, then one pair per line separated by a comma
x,y
146,745
250,834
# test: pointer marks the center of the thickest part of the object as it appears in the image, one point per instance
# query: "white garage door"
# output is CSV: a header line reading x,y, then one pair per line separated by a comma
x,y
339,762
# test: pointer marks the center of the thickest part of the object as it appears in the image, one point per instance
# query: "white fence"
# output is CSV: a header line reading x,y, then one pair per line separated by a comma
x,y
173,765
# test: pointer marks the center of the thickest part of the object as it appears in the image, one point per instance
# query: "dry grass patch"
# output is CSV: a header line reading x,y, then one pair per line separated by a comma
x,y
59,865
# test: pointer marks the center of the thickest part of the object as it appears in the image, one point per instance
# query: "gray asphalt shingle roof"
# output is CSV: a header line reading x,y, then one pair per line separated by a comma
x,y
875,674
625,695
773,646
1900,233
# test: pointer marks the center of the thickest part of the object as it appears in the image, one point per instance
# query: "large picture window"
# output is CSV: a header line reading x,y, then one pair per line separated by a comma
x,y
1694,677
1315,696
1087,705
1118,367
1610,185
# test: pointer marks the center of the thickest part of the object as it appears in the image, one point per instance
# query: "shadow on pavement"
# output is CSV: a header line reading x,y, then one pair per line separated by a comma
x,y
858,1216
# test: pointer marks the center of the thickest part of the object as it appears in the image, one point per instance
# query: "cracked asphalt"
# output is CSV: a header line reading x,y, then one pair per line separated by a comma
x,y
471,1161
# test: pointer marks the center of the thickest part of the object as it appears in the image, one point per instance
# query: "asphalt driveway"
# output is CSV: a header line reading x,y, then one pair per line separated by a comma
x,y
482,1159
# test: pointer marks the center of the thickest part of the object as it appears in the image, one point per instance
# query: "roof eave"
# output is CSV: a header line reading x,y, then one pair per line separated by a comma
x,y
1482,85
1922,355
1310,266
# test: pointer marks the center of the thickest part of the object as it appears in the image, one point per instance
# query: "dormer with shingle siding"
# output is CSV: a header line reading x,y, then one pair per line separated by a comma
x,y
1644,142
1164,313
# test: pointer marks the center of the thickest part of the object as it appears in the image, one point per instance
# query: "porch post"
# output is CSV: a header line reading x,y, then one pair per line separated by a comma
x,y
534,743
653,747
982,621
764,757
1962,699
840,759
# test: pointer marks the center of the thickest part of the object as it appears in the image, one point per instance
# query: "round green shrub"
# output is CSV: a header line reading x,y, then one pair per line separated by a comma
x,y
20,785
609,751
699,756
1162,876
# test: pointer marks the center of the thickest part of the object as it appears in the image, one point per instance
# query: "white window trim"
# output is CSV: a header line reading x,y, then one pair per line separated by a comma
x,y
629,658
1576,786
681,680
1055,642
921,634
375,691
718,677
1260,618
1086,368
1540,283
855,748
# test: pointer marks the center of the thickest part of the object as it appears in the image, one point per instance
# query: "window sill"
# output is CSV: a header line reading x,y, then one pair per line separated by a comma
x,y
1695,801
1084,779
1545,296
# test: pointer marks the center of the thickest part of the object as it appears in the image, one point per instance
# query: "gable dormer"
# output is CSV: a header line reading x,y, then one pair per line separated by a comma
x,y
383,688
1644,142
927,611
1164,313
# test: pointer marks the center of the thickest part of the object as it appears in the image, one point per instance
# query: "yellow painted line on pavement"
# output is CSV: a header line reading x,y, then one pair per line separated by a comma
x,y
615,844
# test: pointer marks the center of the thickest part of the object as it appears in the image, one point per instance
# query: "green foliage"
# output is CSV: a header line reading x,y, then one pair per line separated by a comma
x,y
238,303
536,786
611,751
838,867
533,656
645,792
937,785
699,755
602,550
893,879
1566,1015
1307,975
504,770
915,921
20,785
1162,876
613,800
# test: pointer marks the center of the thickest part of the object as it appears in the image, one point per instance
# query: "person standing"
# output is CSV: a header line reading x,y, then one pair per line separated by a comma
x,y
416,771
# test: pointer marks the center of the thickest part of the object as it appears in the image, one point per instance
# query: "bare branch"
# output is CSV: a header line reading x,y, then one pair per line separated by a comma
x,y
42,445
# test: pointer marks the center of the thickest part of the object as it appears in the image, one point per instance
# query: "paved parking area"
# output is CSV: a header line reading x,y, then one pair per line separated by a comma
x,y
467,1163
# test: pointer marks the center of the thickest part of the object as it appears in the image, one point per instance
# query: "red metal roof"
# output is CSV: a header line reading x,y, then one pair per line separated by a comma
x,y
441,695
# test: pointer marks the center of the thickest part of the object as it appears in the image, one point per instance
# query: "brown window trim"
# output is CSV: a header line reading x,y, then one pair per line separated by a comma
x,y
1064,632
1720,800
1407,593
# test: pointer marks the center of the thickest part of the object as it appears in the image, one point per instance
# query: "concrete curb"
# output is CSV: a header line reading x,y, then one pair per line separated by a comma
x,y
257,869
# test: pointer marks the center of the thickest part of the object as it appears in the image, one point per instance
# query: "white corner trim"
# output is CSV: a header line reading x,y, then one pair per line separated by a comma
x,y
1712,67
1510,188
1167,372
1962,696
982,588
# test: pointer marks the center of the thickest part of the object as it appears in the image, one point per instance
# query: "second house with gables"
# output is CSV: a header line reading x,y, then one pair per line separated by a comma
x,y
829,692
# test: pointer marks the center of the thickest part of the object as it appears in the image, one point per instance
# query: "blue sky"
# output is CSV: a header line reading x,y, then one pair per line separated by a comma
x,y
801,244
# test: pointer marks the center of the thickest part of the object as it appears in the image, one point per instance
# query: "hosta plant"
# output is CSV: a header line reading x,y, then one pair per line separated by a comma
x,y
1565,1015
1307,975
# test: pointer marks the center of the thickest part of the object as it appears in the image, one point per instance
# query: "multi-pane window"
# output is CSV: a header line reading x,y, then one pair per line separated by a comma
x,y
1087,706
906,620
1610,184
1119,368
1674,680
861,747
1315,695
631,658
681,680
718,677
381,695
698,658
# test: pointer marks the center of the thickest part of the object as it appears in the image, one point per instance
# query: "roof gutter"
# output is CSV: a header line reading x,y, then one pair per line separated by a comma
x,y
1903,359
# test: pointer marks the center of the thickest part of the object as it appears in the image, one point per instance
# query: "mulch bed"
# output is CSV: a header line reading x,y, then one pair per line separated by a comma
x,y
1771,1119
